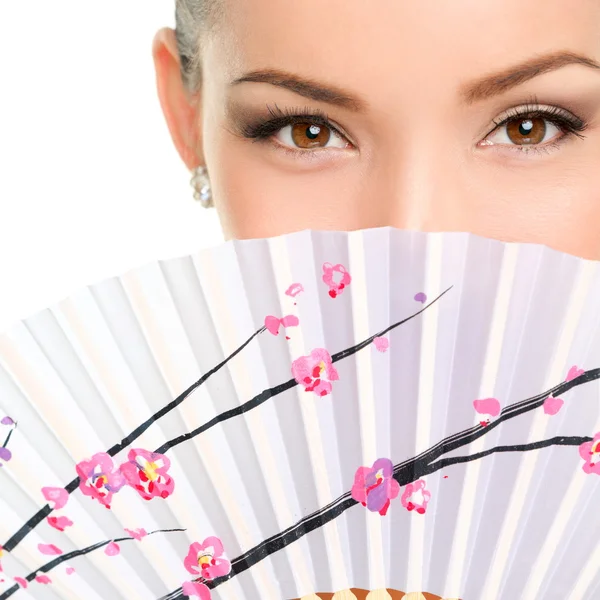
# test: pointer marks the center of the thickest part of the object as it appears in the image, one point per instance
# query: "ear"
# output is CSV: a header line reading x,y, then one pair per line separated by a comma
x,y
180,108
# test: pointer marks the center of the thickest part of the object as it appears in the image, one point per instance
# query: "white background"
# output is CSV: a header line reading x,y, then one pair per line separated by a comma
x,y
90,182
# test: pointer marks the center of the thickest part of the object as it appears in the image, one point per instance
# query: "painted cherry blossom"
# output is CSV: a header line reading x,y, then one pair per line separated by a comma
x,y
21,581
7,421
574,372
49,549
205,559
137,534
381,343
194,589
60,523
112,549
374,487
147,473
315,372
273,324
421,297
552,405
590,452
336,277
415,496
294,290
69,570
99,478
56,495
43,579
488,408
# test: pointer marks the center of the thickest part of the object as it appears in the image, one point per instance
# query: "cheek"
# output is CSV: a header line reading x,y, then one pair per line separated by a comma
x,y
262,195
555,205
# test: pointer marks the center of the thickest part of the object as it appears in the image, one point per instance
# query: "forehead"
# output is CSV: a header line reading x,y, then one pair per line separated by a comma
x,y
371,45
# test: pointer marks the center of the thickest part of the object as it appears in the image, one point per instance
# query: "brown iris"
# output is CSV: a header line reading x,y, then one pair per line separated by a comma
x,y
310,135
526,131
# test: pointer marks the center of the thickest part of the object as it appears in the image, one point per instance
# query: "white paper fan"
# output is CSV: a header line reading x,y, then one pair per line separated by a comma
x,y
443,379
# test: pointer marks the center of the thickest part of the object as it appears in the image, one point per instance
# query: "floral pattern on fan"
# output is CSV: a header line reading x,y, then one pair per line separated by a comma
x,y
416,497
99,478
146,472
336,278
374,487
206,561
315,372
590,452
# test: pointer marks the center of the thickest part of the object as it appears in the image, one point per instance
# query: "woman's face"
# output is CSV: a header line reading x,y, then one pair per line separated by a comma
x,y
436,115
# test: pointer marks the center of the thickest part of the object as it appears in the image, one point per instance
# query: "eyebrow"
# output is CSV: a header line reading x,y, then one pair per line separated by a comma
x,y
474,91
307,87
502,81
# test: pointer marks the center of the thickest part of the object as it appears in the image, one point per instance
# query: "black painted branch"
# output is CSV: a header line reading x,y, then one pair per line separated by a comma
x,y
34,521
247,406
74,554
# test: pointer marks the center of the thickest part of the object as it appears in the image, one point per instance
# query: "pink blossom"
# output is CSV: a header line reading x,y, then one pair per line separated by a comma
x,y
43,579
99,478
416,497
315,372
136,534
381,343
21,581
69,570
49,549
59,496
147,473
205,559
342,278
273,324
374,487
194,588
60,523
574,372
552,405
294,290
489,407
112,549
590,452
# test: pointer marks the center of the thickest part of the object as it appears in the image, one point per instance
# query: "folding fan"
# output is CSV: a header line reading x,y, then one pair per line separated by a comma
x,y
309,416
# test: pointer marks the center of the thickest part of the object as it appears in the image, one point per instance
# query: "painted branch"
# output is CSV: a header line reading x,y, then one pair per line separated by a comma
x,y
34,521
74,554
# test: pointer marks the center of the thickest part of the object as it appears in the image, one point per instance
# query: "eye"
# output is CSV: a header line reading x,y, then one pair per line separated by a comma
x,y
535,127
308,136
303,132
525,132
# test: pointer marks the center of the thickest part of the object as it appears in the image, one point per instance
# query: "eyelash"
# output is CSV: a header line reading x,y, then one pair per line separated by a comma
x,y
262,130
566,122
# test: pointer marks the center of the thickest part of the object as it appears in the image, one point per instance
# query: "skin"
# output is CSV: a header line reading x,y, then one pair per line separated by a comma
x,y
419,156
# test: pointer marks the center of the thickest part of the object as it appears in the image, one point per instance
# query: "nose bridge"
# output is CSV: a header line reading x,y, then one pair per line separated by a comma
x,y
421,182
419,161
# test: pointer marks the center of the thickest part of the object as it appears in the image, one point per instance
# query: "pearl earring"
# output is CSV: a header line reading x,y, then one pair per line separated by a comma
x,y
201,184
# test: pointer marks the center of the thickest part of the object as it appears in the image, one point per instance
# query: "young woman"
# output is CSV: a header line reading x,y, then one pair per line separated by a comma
x,y
430,114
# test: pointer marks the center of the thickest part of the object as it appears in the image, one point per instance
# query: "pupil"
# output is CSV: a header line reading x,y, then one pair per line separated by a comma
x,y
525,127
313,131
